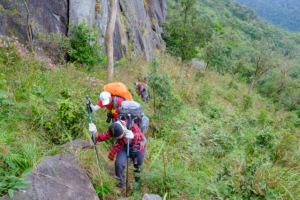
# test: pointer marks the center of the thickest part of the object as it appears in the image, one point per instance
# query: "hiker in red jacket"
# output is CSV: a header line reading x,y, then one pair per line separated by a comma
x,y
121,134
112,104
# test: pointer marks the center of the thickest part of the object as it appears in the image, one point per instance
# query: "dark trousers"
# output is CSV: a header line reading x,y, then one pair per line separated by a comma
x,y
120,164
145,99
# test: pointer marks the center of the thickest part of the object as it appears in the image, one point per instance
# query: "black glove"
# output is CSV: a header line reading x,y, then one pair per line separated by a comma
x,y
88,104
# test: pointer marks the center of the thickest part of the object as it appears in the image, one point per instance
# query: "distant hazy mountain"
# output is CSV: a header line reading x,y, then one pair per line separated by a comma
x,y
282,13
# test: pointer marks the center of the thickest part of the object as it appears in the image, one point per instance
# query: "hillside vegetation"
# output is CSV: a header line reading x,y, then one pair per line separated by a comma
x,y
230,131
282,13
230,38
219,143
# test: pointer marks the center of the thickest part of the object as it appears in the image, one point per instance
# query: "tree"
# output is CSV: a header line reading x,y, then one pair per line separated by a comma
x,y
165,101
185,32
217,54
218,27
292,98
263,61
109,41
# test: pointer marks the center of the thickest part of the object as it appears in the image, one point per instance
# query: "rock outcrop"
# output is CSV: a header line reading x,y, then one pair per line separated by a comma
x,y
46,16
57,177
138,26
197,64
78,143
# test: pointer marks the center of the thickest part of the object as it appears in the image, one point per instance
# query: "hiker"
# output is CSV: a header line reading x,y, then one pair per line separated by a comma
x,y
186,74
137,141
112,104
143,90
112,96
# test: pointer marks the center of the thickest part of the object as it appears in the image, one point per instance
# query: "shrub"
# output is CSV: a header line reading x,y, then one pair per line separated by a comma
x,y
264,140
247,101
204,95
166,102
7,105
222,144
264,118
233,85
215,112
82,45
11,50
71,114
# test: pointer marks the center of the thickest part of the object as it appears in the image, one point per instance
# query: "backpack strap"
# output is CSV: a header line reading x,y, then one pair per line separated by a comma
x,y
116,101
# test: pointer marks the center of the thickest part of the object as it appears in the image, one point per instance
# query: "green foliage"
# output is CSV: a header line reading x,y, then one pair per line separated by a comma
x,y
163,180
222,144
11,178
204,95
263,117
218,27
248,101
185,32
6,104
82,45
243,186
218,55
102,190
215,112
278,12
10,50
166,102
71,114
264,140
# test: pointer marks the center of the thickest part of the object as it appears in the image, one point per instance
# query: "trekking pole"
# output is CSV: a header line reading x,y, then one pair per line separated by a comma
x,y
129,123
89,111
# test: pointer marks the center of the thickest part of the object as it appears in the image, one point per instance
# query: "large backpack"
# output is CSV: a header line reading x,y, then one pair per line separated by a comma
x,y
118,89
138,87
136,111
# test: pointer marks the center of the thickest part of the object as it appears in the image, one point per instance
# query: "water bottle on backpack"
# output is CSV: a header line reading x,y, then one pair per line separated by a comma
x,y
145,123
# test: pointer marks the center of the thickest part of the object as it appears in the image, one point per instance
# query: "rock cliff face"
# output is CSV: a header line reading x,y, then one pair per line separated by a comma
x,y
138,25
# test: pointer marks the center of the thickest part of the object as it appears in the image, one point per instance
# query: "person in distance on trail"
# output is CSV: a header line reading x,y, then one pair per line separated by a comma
x,y
112,104
186,74
137,143
143,90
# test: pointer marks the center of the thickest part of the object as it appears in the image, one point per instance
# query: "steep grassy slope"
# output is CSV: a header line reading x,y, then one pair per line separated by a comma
x,y
222,144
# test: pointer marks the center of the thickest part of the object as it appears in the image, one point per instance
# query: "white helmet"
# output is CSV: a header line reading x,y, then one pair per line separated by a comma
x,y
104,97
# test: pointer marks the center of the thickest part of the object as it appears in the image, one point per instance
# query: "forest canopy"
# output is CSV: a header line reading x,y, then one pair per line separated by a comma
x,y
282,13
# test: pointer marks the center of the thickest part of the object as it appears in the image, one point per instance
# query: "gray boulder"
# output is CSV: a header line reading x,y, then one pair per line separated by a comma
x,y
57,177
78,143
151,197
197,64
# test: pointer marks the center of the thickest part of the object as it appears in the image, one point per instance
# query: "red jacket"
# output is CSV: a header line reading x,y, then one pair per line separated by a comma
x,y
122,143
114,106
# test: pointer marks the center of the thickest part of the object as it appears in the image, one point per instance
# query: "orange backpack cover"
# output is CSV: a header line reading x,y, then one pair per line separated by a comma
x,y
118,89
139,87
